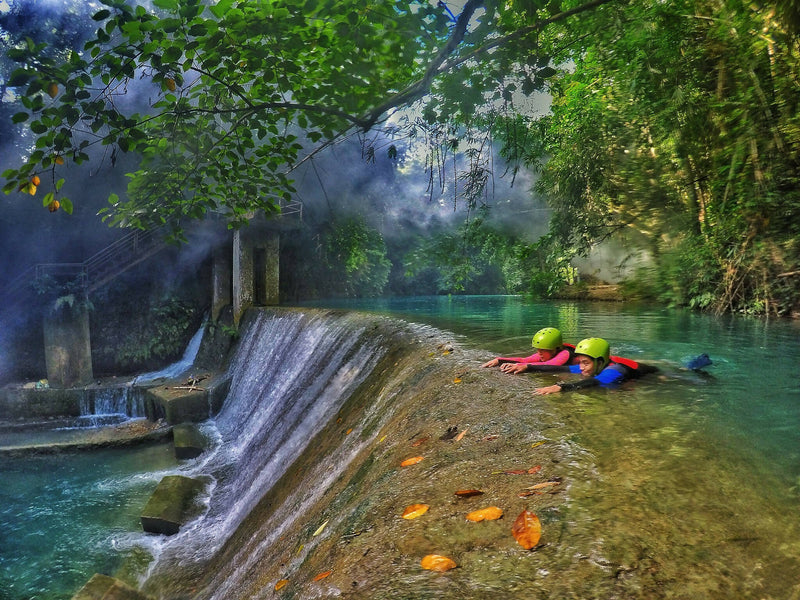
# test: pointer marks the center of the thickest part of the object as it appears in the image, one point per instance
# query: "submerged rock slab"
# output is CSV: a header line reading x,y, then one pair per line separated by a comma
x,y
103,587
173,503
188,440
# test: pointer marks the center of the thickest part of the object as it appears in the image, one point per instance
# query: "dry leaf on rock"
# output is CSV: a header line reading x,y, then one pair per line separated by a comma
x,y
468,493
437,562
322,575
415,510
545,484
527,529
411,461
280,584
489,513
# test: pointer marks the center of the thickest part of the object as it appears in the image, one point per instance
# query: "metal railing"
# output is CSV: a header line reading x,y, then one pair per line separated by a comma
x,y
102,267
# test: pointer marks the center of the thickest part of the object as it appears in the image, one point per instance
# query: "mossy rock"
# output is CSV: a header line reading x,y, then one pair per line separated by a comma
x,y
103,587
173,503
188,440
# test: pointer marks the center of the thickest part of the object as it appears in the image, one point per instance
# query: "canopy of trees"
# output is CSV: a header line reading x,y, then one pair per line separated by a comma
x,y
673,124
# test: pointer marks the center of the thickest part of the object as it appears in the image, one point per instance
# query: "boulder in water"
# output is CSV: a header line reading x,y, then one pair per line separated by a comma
x,y
173,503
188,440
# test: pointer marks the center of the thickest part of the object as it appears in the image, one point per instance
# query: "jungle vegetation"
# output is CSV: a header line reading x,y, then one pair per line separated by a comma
x,y
674,126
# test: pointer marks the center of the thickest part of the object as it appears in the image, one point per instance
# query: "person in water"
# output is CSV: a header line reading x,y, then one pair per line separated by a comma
x,y
594,363
550,350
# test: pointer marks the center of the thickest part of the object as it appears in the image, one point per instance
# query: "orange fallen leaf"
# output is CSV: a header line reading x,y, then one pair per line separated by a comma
x,y
281,583
411,461
349,431
527,529
420,441
468,493
545,484
530,493
437,562
457,380
516,472
461,435
415,510
322,575
534,470
489,513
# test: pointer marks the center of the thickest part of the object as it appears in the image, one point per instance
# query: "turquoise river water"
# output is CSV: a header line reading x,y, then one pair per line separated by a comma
x,y
697,447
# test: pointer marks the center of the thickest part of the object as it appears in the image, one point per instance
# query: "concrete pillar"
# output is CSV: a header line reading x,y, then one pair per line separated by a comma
x,y
67,347
221,272
268,273
243,283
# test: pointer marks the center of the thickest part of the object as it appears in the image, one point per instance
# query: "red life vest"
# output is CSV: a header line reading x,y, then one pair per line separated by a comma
x,y
630,363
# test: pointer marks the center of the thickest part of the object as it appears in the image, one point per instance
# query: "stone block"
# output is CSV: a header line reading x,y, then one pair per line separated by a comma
x,y
188,440
103,587
180,405
173,503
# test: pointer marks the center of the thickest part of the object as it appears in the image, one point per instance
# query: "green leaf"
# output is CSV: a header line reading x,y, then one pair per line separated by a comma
x,y
20,117
220,8
166,4
101,15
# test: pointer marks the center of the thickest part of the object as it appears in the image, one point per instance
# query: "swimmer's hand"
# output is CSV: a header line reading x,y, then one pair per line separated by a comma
x,y
514,368
550,389
492,363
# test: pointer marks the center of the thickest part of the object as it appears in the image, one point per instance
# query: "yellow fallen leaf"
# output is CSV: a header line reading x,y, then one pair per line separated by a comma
x,y
322,575
539,443
411,461
437,562
527,529
489,513
319,530
281,583
415,510
457,380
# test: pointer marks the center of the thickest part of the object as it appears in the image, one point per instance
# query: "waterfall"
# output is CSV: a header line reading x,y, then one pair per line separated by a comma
x,y
176,368
292,372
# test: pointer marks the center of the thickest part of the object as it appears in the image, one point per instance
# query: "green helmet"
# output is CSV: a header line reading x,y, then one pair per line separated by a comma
x,y
596,348
548,338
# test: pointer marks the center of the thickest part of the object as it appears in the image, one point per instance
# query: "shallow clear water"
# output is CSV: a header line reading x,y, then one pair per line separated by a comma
x,y
62,516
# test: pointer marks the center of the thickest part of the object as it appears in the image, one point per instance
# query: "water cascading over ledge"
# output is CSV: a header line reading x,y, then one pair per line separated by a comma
x,y
323,407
